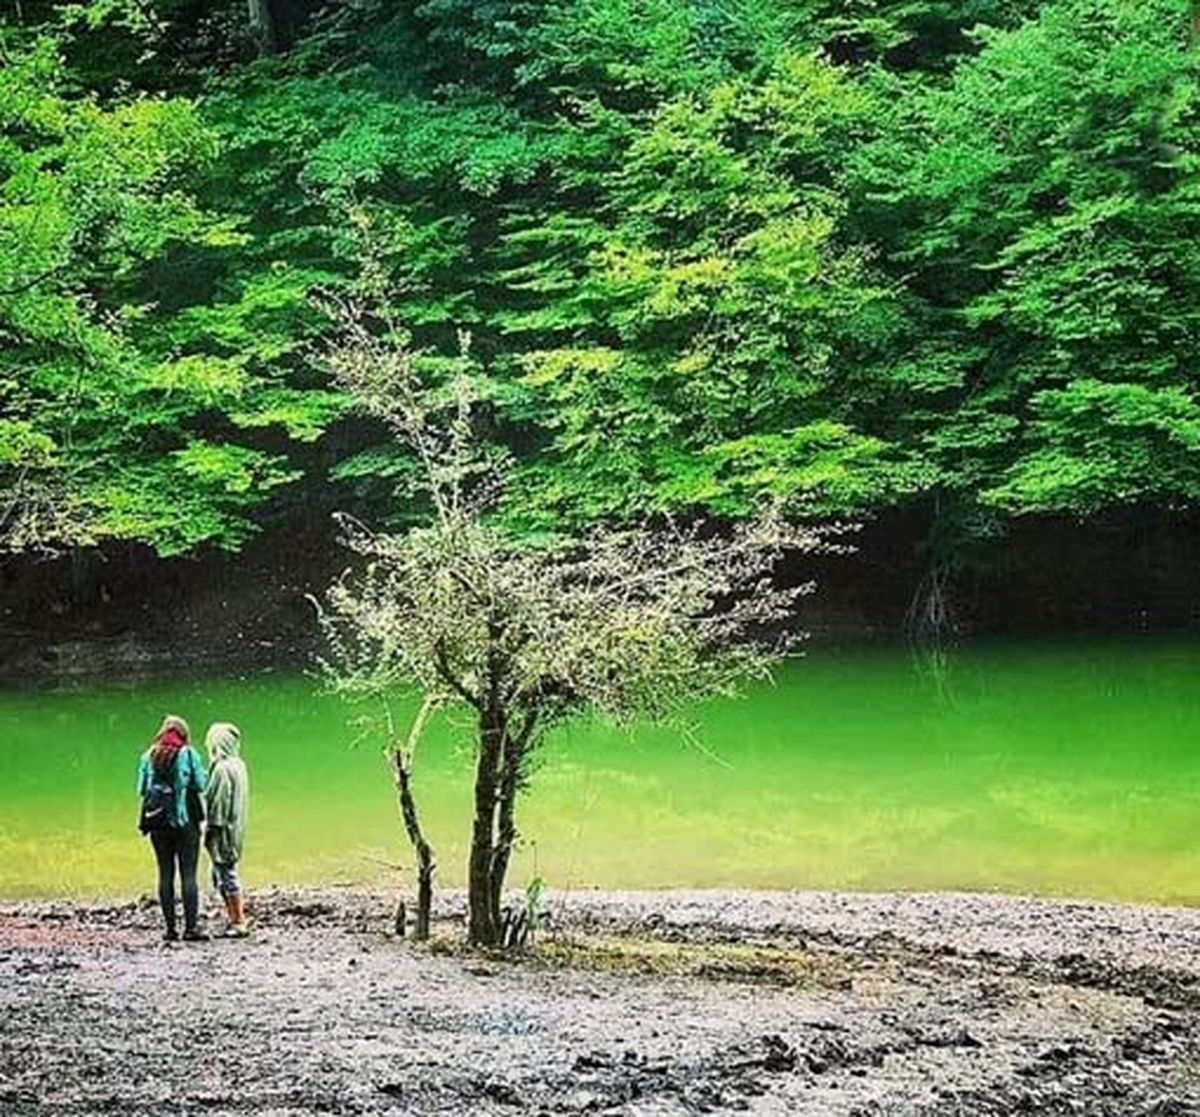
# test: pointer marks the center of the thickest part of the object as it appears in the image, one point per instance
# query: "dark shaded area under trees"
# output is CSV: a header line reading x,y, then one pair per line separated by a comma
x,y
127,609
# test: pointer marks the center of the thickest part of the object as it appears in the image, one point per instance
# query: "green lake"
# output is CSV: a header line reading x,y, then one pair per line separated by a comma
x,y
1064,769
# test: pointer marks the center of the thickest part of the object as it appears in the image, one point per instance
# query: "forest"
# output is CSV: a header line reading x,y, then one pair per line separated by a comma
x,y
660,537
909,257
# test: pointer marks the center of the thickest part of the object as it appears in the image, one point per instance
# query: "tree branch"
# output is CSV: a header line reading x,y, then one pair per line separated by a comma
x,y
21,288
428,706
450,679
528,724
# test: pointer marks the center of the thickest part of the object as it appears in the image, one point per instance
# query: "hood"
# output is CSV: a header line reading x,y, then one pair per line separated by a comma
x,y
223,741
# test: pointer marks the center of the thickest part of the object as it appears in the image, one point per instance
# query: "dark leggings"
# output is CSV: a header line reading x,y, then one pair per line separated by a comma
x,y
183,846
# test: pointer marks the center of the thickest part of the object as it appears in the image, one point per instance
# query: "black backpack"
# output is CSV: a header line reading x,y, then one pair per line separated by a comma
x,y
158,801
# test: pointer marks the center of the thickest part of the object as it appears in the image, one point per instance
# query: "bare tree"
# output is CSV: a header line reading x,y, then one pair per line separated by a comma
x,y
628,622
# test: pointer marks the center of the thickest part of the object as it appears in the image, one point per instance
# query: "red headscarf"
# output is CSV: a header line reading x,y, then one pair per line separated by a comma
x,y
170,738
165,750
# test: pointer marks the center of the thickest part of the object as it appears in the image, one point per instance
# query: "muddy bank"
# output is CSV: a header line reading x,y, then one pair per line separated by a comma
x,y
672,1003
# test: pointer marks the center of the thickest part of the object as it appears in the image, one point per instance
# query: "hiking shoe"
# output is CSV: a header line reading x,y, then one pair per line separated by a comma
x,y
170,935
194,934
236,931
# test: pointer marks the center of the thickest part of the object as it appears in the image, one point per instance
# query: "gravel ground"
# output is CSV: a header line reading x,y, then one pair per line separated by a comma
x,y
631,1003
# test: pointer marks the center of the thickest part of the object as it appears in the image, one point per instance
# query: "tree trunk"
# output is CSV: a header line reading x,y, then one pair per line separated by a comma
x,y
506,827
484,925
425,869
265,26
421,848
81,578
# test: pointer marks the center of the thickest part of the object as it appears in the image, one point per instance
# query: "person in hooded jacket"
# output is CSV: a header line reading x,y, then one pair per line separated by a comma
x,y
226,804
171,770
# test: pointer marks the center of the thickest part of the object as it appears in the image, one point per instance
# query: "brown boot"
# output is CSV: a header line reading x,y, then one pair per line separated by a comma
x,y
238,928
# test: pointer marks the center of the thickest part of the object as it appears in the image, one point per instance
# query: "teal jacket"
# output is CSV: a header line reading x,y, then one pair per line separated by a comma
x,y
189,773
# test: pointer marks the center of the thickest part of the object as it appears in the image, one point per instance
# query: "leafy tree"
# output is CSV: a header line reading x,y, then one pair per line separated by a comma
x,y
914,35
854,256
1044,205
122,399
698,315
625,622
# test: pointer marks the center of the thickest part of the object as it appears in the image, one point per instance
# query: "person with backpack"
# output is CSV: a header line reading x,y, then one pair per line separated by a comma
x,y
226,803
170,780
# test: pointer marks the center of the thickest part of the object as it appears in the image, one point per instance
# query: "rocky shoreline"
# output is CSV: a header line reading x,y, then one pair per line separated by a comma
x,y
628,1003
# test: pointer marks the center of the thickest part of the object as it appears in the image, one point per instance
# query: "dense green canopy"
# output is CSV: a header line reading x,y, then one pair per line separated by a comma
x,y
855,255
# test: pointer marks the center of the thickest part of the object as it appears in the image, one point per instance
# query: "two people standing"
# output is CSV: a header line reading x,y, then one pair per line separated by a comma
x,y
178,795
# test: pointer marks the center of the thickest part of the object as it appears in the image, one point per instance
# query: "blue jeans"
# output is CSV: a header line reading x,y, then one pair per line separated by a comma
x,y
225,879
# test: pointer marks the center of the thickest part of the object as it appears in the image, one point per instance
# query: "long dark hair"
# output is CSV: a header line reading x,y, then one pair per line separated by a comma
x,y
172,736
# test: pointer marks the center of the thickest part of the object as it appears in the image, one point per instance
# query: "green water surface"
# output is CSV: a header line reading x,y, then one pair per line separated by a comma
x,y
1064,770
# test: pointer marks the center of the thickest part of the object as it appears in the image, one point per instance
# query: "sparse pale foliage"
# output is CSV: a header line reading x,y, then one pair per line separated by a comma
x,y
621,621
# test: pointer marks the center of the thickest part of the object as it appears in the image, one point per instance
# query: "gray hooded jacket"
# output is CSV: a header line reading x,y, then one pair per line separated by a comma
x,y
228,796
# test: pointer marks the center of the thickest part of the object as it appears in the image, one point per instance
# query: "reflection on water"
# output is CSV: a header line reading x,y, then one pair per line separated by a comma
x,y
1071,770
